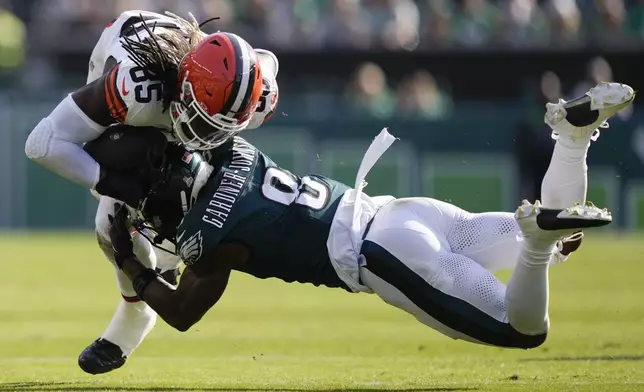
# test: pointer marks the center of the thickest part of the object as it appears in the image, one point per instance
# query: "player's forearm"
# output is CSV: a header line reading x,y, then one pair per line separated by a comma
x,y
70,161
160,295
56,143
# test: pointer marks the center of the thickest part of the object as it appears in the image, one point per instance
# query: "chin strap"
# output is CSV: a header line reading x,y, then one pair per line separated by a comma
x,y
153,237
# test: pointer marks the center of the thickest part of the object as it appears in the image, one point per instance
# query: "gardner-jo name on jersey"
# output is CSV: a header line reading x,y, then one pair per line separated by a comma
x,y
284,220
233,183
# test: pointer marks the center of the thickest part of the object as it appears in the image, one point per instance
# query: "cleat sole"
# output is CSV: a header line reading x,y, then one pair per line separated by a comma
x,y
576,217
604,100
610,96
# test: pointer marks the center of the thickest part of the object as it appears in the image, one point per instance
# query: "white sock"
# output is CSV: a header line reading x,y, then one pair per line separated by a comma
x,y
130,324
565,182
527,291
132,321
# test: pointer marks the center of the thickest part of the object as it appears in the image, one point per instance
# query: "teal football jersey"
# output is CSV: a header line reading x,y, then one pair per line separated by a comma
x,y
283,219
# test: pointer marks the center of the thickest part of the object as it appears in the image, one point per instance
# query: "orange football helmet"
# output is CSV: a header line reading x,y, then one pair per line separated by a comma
x,y
220,86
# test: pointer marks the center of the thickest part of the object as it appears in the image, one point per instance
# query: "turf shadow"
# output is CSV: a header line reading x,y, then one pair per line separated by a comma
x,y
81,386
626,358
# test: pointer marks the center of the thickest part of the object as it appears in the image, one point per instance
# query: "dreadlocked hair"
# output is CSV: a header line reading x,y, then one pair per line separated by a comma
x,y
161,52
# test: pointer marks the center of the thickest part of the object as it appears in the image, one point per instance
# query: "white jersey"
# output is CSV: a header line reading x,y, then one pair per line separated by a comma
x,y
132,96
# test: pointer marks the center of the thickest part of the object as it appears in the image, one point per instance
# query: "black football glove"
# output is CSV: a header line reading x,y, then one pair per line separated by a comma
x,y
126,187
120,234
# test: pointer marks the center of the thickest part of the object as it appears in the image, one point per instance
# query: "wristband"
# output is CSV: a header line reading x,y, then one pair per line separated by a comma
x,y
142,281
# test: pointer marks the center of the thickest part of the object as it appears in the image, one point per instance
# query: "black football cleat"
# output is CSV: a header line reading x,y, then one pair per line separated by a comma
x,y
580,117
556,224
102,356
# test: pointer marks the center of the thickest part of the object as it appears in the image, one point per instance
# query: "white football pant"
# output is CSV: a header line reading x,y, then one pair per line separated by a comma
x,y
436,261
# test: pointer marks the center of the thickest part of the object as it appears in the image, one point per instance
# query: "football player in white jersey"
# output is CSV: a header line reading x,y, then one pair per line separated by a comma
x,y
151,70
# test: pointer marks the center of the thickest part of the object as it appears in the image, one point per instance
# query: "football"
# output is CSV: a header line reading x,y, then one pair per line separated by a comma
x,y
124,147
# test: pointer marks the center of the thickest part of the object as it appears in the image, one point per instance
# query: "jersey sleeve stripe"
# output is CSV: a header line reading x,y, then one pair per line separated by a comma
x,y
115,103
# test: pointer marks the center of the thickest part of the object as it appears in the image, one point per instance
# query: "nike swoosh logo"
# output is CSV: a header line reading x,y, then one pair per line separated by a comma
x,y
125,92
180,236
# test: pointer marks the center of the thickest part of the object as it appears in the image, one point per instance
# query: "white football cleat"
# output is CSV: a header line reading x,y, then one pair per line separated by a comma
x,y
557,224
580,117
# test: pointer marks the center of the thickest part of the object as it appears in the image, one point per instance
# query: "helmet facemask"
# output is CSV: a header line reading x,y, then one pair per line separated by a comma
x,y
198,130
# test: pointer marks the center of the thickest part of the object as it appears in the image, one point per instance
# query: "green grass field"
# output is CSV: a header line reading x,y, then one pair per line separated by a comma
x,y
58,295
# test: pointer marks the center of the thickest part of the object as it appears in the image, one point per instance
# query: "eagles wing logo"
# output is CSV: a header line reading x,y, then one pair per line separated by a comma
x,y
190,250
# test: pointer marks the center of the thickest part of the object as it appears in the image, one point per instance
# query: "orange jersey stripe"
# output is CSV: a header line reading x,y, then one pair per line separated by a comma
x,y
115,104
131,299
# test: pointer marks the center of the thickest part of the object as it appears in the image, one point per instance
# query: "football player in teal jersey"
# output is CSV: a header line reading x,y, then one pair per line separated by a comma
x,y
241,212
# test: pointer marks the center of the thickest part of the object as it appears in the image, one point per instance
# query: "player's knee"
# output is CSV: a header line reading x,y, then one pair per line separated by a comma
x,y
529,333
510,338
525,341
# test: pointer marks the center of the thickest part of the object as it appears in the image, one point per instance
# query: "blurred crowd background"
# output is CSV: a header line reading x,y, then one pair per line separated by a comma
x,y
358,24
462,82
36,35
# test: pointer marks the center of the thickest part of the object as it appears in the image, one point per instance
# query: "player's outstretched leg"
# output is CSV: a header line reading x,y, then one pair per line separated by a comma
x,y
527,291
409,264
133,319
574,124
490,238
